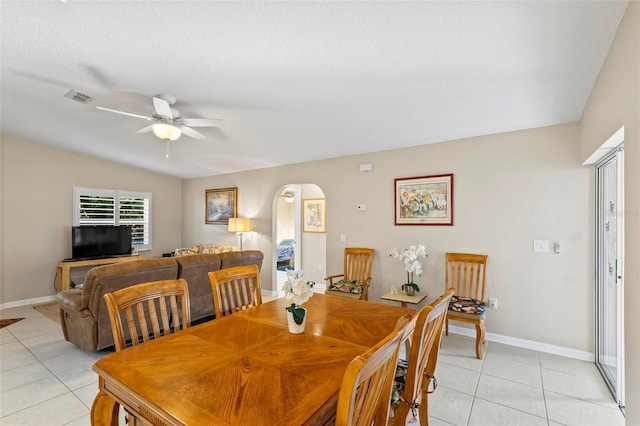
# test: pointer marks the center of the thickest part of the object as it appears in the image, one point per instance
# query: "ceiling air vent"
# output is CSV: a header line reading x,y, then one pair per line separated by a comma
x,y
78,97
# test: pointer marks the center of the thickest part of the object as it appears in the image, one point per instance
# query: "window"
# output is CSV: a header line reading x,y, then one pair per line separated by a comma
x,y
93,206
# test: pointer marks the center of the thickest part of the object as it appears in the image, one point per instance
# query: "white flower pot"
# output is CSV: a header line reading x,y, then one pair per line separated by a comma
x,y
296,328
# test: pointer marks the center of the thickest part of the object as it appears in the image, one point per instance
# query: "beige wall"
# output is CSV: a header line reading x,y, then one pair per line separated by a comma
x,y
615,102
509,189
37,204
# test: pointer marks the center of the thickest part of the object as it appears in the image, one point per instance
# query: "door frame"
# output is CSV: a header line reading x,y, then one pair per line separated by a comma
x,y
617,388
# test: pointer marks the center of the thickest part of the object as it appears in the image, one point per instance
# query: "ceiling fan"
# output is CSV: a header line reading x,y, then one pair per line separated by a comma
x,y
289,197
167,123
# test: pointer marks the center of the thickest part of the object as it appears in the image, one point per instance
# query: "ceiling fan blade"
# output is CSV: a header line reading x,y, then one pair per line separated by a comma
x,y
125,113
201,122
145,129
193,133
162,107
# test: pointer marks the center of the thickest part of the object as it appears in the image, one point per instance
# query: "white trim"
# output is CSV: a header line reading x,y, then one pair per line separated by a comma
x,y
317,288
609,145
27,302
527,344
270,293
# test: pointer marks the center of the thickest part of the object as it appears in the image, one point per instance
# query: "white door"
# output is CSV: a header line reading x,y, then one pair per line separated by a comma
x,y
609,272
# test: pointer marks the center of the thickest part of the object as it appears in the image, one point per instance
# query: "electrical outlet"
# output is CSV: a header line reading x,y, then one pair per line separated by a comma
x,y
493,303
361,207
343,238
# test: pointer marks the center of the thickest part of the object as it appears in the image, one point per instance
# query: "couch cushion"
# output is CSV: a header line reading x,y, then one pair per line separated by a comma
x,y
195,270
241,258
113,277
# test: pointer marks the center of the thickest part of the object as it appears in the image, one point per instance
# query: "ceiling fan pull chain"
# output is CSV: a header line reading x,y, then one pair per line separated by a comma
x,y
166,149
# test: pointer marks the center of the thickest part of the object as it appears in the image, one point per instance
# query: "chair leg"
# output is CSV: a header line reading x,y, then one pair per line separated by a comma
x,y
480,331
423,410
104,410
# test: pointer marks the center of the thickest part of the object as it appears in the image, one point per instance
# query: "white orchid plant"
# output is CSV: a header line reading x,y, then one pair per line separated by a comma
x,y
298,292
411,263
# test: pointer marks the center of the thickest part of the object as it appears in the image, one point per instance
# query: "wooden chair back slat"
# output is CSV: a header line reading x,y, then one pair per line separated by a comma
x,y
365,393
466,273
422,359
146,304
357,263
235,289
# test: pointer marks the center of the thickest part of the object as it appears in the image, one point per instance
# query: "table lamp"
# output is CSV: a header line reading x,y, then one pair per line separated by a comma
x,y
240,226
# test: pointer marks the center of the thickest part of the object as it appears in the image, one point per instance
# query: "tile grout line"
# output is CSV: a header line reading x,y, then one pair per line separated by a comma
x,y
544,392
41,362
475,389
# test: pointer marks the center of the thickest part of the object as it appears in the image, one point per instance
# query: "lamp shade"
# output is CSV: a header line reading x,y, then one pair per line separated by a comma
x,y
166,131
237,224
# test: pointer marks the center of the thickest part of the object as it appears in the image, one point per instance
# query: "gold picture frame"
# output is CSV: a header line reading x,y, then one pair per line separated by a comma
x,y
424,200
220,205
314,212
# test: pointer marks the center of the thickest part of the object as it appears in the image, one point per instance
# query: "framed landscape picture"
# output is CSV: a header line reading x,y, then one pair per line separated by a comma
x,y
220,205
424,200
314,215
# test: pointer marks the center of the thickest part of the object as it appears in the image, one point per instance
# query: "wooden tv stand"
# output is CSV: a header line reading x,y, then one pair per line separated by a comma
x,y
63,273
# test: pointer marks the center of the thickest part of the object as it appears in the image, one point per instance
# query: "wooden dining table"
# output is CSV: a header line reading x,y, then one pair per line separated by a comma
x,y
245,368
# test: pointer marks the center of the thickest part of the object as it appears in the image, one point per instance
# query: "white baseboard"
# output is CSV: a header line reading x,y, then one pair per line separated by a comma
x,y
318,288
527,344
27,302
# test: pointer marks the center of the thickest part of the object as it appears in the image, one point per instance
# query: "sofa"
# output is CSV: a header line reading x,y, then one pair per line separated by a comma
x,y
83,312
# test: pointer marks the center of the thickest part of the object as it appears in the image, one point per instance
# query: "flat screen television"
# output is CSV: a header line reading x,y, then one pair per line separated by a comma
x,y
97,241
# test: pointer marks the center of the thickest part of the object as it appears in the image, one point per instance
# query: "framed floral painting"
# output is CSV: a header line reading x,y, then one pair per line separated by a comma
x,y
220,205
314,215
424,200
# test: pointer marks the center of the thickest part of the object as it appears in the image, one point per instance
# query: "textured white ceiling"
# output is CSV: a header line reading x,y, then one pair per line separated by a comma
x,y
295,81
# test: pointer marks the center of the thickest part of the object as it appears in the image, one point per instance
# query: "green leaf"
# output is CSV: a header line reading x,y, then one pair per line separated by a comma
x,y
414,285
298,313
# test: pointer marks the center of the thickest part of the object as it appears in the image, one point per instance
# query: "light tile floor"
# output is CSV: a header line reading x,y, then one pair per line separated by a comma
x,y
45,380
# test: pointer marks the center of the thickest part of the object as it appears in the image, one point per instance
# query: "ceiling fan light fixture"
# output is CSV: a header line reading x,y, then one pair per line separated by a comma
x,y
166,131
289,197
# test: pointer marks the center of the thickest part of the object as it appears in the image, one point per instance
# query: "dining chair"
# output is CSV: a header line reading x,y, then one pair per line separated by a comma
x,y
466,273
421,364
235,289
163,305
365,392
356,275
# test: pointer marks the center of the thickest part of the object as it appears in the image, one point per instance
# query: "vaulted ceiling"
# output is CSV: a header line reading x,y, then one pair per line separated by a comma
x,y
294,81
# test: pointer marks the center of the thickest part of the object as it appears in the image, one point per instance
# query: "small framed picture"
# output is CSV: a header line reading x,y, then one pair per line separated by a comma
x,y
220,205
314,215
424,200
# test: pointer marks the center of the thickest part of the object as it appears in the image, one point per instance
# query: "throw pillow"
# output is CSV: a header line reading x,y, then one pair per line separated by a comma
x,y
184,251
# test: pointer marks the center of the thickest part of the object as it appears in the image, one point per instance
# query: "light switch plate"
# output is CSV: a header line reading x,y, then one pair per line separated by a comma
x,y
541,246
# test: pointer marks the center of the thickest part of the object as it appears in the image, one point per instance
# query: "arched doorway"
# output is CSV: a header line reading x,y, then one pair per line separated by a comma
x,y
293,248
